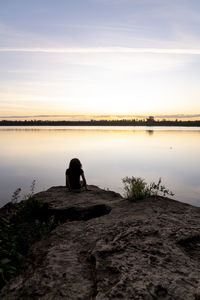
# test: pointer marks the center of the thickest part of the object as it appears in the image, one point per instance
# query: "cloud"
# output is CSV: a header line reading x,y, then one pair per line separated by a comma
x,y
56,116
117,2
99,27
39,116
106,116
179,116
185,51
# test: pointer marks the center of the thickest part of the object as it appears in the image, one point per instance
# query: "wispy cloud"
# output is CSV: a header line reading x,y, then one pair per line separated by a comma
x,y
105,27
179,116
40,116
96,117
184,51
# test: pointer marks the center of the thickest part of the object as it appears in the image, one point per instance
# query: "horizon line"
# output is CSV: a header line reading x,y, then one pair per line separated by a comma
x,y
88,50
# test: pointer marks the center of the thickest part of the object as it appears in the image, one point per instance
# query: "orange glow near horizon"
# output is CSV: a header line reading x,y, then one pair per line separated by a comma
x,y
99,117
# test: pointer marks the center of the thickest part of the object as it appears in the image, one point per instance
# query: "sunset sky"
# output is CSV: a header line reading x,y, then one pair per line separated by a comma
x,y
79,59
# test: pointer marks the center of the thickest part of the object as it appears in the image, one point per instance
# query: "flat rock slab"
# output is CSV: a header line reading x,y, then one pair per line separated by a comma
x,y
149,249
59,197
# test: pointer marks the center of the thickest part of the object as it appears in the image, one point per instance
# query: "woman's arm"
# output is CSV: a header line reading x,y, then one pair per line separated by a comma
x,y
67,182
84,181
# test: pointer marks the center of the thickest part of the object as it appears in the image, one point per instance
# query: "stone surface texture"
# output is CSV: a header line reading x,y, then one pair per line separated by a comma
x,y
148,249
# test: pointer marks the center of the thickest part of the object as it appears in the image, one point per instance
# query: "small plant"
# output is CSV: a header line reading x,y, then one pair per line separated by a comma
x,y
136,188
32,190
158,189
32,187
16,196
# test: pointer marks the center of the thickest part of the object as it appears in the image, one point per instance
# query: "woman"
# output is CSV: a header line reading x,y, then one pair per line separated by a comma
x,y
73,174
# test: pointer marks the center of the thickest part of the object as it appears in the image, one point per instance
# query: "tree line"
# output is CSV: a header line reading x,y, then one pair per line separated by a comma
x,y
134,122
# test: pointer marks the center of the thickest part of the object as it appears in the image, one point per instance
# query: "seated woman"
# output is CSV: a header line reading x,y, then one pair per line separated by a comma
x,y
73,174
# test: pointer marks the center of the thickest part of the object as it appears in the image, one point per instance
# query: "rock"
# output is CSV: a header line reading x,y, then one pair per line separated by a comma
x,y
111,248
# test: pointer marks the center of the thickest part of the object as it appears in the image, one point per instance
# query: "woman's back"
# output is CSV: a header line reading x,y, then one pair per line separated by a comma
x,y
74,177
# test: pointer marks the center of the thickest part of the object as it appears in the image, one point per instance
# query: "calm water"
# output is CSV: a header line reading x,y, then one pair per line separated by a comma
x,y
107,153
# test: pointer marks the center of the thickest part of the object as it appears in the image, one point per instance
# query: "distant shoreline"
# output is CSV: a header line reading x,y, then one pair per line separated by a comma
x,y
147,122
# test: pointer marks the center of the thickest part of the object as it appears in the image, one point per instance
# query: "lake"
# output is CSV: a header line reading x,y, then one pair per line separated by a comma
x,y
107,154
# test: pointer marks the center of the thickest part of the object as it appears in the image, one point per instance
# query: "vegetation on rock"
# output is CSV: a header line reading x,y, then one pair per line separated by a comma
x,y
136,188
27,225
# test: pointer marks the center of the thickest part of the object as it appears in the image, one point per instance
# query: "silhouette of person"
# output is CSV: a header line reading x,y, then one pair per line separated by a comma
x,y
73,174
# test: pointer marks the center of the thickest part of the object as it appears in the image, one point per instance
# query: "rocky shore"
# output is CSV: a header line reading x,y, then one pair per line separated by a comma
x,y
109,248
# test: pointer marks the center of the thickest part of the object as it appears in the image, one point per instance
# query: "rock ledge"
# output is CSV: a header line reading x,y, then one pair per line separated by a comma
x,y
110,248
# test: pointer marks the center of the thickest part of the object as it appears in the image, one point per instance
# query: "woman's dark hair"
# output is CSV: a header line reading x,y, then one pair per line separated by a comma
x,y
75,164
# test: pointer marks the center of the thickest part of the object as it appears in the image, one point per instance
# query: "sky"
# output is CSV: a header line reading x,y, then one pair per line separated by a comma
x,y
83,59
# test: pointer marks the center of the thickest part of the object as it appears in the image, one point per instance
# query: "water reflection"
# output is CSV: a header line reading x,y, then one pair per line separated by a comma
x,y
150,132
107,154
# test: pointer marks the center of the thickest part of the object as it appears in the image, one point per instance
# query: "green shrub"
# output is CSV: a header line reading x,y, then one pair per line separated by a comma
x,y
28,224
11,258
136,188
31,208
